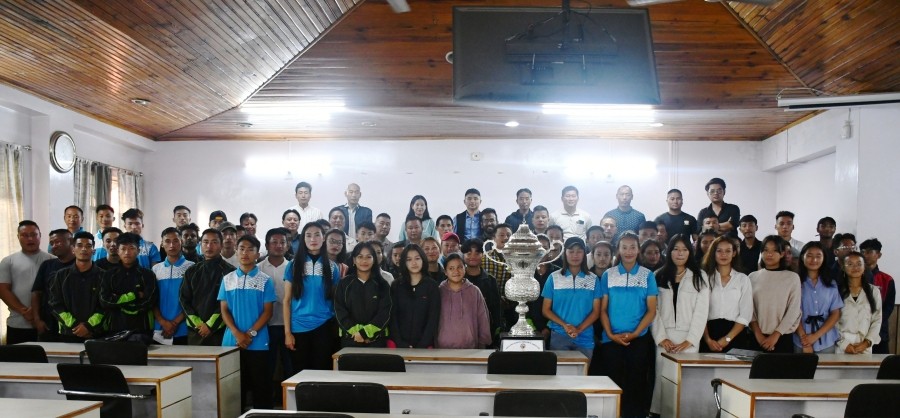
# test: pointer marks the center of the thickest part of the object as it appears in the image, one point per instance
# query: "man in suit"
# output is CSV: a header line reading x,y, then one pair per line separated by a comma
x,y
354,214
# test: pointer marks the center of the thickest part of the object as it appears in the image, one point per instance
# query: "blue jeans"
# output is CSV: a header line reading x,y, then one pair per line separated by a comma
x,y
562,342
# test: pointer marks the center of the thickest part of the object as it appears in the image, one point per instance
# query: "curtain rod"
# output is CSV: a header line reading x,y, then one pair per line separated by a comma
x,y
139,174
25,147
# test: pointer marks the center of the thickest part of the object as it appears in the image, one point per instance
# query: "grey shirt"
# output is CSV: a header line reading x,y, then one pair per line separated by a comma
x,y
20,269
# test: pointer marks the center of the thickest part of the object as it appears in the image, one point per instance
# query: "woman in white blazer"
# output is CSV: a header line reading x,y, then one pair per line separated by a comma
x,y
682,308
860,321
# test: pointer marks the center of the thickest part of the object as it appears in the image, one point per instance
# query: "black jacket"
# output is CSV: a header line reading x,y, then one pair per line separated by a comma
x,y
129,295
199,293
362,307
415,314
74,299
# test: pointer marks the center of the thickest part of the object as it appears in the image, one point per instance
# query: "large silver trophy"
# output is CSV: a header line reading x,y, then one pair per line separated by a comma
x,y
523,254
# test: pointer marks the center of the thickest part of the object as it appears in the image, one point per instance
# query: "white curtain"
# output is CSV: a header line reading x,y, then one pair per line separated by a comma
x,y
11,206
11,210
131,189
92,188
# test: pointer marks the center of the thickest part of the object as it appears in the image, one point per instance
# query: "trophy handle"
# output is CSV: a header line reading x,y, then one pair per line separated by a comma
x,y
558,255
487,252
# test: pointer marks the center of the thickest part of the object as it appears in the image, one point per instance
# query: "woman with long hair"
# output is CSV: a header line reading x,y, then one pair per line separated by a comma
x,y
416,302
418,207
627,308
336,249
861,316
682,307
730,298
465,321
362,301
820,303
776,299
308,308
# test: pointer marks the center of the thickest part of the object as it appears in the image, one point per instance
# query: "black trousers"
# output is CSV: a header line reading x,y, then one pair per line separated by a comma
x,y
255,379
313,349
718,328
628,366
20,335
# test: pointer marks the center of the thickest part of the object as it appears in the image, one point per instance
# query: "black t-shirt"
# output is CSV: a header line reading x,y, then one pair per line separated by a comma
x,y
729,213
678,224
750,257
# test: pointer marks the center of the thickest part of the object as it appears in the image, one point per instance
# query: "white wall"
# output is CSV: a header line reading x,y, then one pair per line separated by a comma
x,y
853,180
250,176
28,120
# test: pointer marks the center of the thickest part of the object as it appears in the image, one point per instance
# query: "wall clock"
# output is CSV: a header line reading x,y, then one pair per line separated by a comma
x,y
62,152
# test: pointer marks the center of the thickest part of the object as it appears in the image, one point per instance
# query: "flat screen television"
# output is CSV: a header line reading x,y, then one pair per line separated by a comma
x,y
546,55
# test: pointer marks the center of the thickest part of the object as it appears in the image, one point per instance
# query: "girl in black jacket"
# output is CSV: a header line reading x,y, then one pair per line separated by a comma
x,y
362,301
416,302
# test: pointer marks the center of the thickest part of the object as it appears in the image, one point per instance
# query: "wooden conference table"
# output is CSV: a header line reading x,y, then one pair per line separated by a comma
x,y
171,386
44,408
759,398
464,393
216,374
570,363
686,391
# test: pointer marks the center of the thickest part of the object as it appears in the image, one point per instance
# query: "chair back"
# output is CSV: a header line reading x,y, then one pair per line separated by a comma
x,y
365,362
784,366
363,398
890,368
874,400
98,380
540,403
525,362
22,353
297,414
116,353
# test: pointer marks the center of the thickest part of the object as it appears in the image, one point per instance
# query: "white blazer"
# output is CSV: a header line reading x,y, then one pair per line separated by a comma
x,y
686,321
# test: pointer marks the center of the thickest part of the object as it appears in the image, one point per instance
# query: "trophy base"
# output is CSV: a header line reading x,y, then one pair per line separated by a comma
x,y
509,342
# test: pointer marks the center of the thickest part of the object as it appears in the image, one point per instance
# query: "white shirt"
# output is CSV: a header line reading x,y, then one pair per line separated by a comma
x,y
387,276
307,215
858,322
573,225
733,301
277,275
233,260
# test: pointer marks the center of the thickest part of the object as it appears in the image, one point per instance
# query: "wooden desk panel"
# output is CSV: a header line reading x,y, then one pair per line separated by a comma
x,y
444,360
41,381
44,408
758,398
216,374
686,391
469,394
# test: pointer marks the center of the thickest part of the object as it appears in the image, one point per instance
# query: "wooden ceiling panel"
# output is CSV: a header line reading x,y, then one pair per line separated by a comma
x,y
193,59
840,47
720,66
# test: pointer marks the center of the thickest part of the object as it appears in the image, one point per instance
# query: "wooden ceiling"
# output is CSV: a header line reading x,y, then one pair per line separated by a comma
x,y
720,67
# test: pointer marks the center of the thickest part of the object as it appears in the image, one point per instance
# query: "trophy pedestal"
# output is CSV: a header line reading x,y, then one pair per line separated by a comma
x,y
509,342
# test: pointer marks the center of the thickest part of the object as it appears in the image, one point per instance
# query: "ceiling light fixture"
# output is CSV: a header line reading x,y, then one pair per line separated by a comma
x,y
245,124
512,124
603,113
141,102
830,102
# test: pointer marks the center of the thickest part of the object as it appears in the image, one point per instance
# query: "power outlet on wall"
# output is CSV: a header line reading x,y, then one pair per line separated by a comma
x,y
476,156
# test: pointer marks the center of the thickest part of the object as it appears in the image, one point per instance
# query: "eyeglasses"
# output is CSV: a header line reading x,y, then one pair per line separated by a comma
x,y
716,191
335,242
847,247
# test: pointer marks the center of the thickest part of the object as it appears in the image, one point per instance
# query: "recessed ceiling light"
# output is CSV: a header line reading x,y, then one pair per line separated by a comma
x,y
369,124
512,124
245,124
656,125
140,101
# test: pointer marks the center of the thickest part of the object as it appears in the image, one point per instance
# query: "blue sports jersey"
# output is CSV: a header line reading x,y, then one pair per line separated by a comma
x,y
168,283
573,300
246,296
